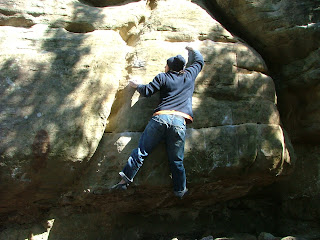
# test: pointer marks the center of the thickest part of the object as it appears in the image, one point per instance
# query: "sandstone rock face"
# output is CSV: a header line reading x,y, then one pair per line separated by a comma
x,y
277,26
55,101
287,34
69,121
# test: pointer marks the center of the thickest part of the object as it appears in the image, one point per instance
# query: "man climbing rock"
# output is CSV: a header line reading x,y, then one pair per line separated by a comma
x,y
168,123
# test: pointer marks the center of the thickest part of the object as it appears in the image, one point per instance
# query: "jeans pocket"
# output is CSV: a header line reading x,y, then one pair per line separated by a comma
x,y
180,131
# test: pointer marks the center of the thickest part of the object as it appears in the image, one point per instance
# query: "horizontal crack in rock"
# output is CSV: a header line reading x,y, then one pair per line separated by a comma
x,y
16,21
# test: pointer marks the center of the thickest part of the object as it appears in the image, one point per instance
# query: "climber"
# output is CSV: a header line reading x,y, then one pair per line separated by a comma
x,y
168,123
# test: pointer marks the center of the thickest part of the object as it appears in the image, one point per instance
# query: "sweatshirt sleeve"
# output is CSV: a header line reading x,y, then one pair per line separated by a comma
x,y
149,89
195,62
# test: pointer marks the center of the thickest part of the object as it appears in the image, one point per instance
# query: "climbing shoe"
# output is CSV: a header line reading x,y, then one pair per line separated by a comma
x,y
120,186
181,194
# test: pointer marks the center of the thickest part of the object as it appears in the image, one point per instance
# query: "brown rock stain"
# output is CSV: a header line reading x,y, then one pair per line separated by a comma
x,y
40,150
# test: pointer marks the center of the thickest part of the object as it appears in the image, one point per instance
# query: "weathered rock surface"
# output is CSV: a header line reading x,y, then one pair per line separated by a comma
x,y
69,121
55,101
287,34
55,104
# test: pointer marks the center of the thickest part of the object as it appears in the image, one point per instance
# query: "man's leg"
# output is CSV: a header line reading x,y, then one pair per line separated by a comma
x,y
175,141
149,139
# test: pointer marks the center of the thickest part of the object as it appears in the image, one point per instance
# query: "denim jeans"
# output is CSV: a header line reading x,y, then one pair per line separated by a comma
x,y
171,129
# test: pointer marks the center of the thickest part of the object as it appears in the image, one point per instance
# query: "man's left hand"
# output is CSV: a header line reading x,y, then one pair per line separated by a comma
x,y
133,83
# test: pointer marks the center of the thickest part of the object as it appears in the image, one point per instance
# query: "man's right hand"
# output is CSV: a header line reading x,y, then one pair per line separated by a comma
x,y
193,46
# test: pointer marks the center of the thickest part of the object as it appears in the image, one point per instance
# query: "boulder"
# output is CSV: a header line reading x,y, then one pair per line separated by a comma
x,y
236,141
287,34
69,121
56,95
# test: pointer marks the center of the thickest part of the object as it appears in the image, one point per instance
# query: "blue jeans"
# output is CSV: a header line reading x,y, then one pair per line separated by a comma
x,y
171,129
